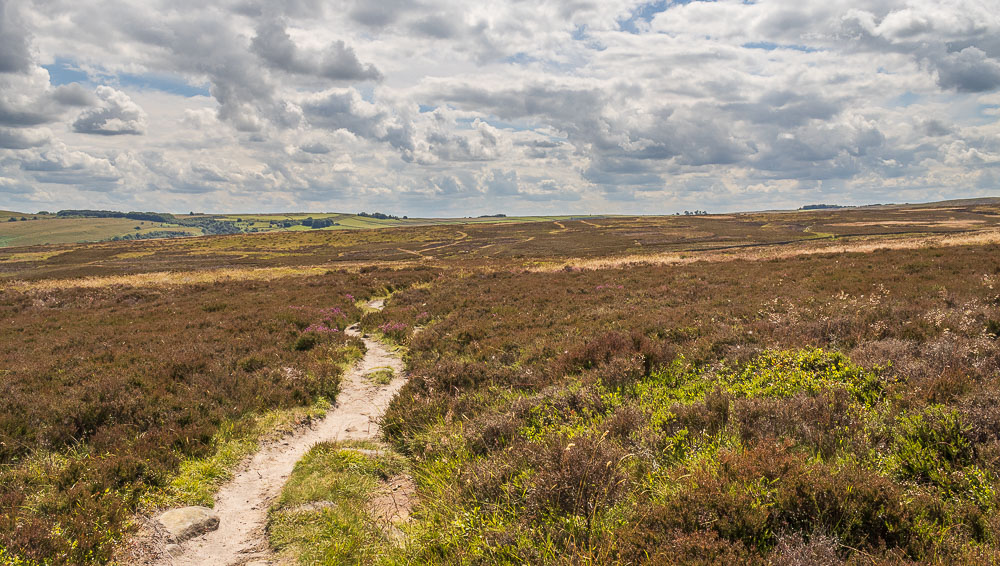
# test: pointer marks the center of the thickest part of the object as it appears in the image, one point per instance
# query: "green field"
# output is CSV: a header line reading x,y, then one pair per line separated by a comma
x,y
262,222
52,230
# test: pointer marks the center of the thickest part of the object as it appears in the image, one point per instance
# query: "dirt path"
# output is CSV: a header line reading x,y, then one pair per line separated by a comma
x,y
458,240
242,503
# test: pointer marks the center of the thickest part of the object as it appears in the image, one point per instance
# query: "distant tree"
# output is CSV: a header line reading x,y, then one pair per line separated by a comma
x,y
43,212
378,215
322,223
12,219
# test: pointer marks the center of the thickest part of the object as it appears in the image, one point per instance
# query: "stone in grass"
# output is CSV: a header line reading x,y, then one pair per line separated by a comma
x,y
188,522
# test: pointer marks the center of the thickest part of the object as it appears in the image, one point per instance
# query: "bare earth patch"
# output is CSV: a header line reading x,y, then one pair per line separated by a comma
x,y
391,505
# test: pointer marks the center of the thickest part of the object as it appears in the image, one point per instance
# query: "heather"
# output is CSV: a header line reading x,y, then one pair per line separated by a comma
x,y
753,412
633,391
107,393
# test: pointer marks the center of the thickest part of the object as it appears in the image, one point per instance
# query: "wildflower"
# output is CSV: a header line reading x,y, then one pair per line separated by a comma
x,y
392,327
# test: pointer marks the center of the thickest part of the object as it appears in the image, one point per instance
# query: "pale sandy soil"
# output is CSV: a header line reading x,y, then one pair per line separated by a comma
x,y
242,503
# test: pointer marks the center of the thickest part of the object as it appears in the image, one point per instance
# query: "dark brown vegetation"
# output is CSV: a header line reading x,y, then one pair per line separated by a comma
x,y
104,391
685,414
497,245
810,409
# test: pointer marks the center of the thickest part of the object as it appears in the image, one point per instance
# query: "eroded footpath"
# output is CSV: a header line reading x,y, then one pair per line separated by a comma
x,y
242,503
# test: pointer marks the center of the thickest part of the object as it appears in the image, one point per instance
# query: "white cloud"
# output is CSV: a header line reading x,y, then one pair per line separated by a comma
x,y
115,114
454,107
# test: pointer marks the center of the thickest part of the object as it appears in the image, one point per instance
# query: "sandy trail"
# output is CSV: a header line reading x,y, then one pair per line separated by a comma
x,y
242,503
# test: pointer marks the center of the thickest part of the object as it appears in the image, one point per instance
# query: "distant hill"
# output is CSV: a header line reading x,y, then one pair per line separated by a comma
x,y
75,226
981,201
78,226
820,206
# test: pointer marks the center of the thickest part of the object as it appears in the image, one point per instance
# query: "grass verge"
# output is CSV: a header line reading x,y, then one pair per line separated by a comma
x,y
325,513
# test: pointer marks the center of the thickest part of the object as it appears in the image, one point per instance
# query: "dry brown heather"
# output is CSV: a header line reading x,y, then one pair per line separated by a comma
x,y
105,390
540,244
632,390
546,428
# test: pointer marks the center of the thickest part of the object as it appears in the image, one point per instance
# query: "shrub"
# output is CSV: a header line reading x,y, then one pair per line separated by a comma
x,y
784,373
577,476
821,422
492,431
933,447
105,391
305,341
750,496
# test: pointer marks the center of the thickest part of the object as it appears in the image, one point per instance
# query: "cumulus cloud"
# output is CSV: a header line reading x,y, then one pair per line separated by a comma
x,y
15,53
27,99
969,70
73,94
439,26
115,115
338,62
446,106
377,14
345,109
12,138
61,165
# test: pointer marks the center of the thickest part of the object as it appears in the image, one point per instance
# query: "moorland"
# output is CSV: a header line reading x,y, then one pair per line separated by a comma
x,y
18,229
805,387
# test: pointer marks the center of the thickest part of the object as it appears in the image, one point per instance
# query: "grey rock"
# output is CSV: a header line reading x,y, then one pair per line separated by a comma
x,y
188,522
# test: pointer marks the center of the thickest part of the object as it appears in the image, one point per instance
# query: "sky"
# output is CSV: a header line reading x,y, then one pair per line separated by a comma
x,y
456,108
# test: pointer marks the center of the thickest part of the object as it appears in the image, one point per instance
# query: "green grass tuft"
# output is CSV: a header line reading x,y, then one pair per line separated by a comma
x,y
322,516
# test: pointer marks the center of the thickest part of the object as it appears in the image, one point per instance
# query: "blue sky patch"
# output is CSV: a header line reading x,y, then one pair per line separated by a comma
x,y
162,83
769,46
906,99
63,71
645,13
66,71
